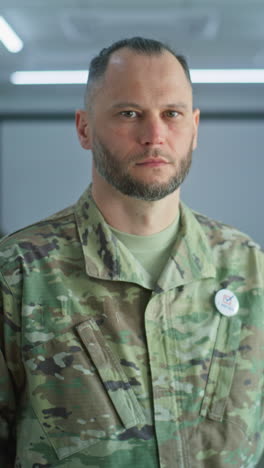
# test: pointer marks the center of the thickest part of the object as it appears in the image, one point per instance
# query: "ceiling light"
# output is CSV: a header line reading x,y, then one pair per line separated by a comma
x,y
80,76
9,38
49,77
249,76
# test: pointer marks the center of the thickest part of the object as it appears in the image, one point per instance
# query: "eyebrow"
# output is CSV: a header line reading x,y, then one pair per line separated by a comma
x,y
121,105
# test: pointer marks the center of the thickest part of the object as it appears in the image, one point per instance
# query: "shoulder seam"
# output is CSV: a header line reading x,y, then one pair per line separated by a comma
x,y
36,224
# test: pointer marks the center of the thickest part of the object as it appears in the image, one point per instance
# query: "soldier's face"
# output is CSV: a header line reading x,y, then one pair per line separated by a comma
x,y
142,128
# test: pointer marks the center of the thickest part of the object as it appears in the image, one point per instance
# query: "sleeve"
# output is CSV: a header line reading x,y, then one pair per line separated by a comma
x,y
9,373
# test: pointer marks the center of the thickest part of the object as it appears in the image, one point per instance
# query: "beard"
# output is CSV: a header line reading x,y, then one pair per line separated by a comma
x,y
118,176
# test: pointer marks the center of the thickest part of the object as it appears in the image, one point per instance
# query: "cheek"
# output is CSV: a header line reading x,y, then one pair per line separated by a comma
x,y
126,133
117,136
121,139
180,139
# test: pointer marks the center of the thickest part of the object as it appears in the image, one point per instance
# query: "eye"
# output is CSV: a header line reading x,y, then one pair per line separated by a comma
x,y
129,114
172,113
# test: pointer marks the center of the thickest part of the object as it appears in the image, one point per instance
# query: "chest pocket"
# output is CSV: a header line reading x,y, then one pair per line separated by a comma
x,y
222,368
79,391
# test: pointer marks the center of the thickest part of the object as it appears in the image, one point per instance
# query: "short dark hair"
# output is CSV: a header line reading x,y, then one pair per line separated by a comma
x,y
140,45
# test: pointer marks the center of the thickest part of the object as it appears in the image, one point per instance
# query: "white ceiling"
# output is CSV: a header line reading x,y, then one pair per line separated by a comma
x,y
64,34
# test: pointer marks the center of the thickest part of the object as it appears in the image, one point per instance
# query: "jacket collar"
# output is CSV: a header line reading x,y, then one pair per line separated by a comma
x,y
107,258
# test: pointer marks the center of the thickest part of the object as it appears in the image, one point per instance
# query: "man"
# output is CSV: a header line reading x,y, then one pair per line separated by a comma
x,y
132,328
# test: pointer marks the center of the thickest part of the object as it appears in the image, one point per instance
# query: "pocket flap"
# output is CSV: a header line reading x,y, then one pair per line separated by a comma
x,y
78,390
113,377
222,368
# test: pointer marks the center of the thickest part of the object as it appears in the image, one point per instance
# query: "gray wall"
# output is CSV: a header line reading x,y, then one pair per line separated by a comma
x,y
44,169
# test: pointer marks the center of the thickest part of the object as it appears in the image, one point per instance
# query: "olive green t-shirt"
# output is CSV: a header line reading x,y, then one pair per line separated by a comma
x,y
151,251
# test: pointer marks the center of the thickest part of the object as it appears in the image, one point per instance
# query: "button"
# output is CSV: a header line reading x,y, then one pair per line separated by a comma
x,y
226,302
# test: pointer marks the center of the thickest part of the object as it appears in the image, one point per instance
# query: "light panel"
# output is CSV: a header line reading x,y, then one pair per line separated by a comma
x,y
49,77
9,38
228,76
248,76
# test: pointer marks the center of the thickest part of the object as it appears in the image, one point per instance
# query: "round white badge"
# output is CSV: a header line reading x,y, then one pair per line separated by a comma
x,y
226,302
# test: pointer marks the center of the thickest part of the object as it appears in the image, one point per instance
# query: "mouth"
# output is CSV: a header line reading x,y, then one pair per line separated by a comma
x,y
152,162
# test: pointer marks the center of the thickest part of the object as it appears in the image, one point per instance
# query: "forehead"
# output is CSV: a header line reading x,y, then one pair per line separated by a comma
x,y
144,76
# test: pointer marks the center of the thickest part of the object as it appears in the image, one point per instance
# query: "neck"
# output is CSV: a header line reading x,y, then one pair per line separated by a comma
x,y
134,216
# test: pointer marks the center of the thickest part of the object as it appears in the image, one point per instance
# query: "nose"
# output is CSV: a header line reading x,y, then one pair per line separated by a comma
x,y
152,131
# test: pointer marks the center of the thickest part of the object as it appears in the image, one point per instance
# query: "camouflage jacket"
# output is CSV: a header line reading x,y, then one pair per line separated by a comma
x,y
101,368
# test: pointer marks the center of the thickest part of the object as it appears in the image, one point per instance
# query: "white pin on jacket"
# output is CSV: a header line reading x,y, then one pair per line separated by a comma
x,y
226,302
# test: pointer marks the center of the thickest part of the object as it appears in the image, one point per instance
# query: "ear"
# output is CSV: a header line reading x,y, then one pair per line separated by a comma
x,y
196,119
83,128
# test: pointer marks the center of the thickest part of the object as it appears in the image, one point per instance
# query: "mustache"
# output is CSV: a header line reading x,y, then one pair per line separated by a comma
x,y
133,158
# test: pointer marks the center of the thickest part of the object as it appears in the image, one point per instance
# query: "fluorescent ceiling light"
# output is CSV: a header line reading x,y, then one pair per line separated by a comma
x,y
9,38
49,77
228,76
80,76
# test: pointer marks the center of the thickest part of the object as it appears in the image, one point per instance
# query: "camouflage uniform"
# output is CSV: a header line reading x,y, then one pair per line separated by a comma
x,y
101,368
